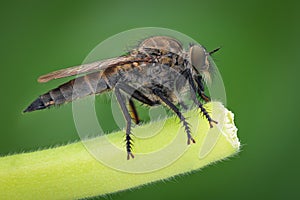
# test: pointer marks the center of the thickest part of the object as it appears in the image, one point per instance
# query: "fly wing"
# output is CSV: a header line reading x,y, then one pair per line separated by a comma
x,y
87,68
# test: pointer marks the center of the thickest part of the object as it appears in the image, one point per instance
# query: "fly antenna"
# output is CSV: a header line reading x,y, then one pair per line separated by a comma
x,y
214,51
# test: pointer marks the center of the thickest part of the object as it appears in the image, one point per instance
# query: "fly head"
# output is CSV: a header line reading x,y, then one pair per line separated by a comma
x,y
198,57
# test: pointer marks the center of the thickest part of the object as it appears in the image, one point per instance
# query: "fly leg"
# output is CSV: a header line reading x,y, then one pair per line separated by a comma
x,y
159,93
122,101
200,88
137,94
133,112
134,93
196,101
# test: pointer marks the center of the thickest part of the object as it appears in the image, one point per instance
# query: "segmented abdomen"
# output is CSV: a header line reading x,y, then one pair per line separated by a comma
x,y
93,83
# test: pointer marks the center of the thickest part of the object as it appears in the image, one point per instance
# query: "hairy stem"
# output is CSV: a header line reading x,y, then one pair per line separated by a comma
x,y
71,172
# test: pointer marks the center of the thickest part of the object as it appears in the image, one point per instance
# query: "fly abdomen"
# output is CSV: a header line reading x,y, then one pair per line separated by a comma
x,y
40,103
93,83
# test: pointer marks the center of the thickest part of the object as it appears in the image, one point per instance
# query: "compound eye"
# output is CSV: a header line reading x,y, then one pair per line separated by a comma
x,y
198,57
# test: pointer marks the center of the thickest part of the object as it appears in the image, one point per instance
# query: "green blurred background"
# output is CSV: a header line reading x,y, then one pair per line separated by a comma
x,y
259,63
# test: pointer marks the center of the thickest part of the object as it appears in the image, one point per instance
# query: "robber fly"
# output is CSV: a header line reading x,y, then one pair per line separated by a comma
x,y
150,73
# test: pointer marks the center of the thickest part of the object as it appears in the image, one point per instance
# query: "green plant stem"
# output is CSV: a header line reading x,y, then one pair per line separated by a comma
x,y
71,172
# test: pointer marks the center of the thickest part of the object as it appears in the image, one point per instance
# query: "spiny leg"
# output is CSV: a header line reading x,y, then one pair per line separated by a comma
x,y
196,101
200,88
133,112
122,101
160,94
136,94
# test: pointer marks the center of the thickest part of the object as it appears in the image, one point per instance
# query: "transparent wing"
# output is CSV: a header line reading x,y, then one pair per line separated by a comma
x,y
87,68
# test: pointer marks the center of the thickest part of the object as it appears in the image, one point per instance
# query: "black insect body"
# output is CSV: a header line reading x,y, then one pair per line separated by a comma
x,y
153,74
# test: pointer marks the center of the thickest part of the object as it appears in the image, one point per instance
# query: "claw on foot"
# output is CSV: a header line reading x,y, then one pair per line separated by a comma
x,y
191,139
129,154
211,123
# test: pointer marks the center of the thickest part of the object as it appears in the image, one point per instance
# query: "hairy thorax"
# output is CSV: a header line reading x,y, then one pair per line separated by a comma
x,y
166,73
